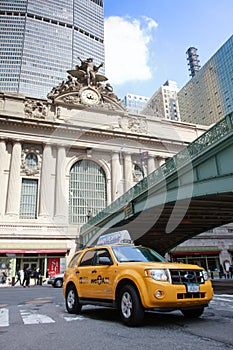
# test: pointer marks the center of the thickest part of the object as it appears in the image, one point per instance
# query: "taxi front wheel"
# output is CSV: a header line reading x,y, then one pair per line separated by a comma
x,y
131,309
72,303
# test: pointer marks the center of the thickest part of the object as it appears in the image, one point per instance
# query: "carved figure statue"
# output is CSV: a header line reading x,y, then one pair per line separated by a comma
x,y
90,68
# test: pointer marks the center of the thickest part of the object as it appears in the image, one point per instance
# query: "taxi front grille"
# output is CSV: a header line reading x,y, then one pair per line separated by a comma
x,y
186,276
190,295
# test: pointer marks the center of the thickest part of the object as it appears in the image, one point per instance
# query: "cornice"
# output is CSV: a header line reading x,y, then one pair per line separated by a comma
x,y
98,133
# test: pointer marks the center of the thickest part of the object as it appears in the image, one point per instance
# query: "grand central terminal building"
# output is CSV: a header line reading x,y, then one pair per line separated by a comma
x,y
65,158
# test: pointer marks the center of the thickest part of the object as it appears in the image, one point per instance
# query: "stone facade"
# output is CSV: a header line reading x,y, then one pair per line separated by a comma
x,y
58,133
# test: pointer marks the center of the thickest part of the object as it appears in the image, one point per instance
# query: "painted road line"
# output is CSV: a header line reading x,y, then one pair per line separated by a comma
x,y
4,317
34,318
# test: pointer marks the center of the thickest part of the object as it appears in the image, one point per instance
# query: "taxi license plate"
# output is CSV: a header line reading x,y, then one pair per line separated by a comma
x,y
193,288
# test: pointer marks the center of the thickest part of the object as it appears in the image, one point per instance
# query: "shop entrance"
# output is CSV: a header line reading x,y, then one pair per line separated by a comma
x,y
32,263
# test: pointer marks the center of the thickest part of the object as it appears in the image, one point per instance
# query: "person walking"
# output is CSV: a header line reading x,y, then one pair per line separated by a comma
x,y
4,277
231,271
26,279
18,274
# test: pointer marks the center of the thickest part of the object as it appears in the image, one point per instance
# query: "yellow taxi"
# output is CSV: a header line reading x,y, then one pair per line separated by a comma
x,y
133,279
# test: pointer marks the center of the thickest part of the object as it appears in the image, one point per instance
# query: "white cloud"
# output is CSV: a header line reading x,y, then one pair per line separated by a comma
x,y
127,49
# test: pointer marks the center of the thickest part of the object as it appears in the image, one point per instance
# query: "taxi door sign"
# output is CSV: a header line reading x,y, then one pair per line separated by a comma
x,y
115,237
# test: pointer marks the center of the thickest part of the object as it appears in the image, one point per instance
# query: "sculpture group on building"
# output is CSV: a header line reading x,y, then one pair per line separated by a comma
x,y
85,85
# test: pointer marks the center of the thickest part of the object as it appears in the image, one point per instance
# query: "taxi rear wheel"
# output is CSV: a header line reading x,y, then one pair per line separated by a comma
x,y
193,313
72,303
131,309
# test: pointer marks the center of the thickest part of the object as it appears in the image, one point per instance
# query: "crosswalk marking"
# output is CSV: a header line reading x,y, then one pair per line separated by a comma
x,y
34,318
30,316
220,299
73,318
224,295
4,317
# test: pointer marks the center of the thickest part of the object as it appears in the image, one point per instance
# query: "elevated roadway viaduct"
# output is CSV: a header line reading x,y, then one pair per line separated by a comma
x,y
189,194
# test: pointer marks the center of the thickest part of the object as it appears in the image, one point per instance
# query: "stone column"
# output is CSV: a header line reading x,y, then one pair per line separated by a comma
x,y
156,162
117,178
46,191
128,176
151,164
61,206
2,182
14,182
161,161
2,159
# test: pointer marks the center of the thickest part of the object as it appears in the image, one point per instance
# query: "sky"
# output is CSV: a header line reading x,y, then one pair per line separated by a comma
x,y
146,40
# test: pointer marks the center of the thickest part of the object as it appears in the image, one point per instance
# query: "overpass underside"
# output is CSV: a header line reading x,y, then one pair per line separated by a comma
x,y
203,213
191,193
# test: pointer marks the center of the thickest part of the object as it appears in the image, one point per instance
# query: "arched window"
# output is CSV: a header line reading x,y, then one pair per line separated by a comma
x,y
31,161
87,191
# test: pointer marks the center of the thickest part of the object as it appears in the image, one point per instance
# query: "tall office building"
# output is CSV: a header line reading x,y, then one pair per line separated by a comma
x,y
193,61
164,103
208,96
135,103
41,39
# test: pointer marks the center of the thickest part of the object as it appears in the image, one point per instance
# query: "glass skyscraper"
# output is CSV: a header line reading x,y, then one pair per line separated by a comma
x,y
41,40
208,96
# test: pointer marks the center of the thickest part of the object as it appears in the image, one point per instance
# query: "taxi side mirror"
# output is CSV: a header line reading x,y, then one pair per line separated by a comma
x,y
105,260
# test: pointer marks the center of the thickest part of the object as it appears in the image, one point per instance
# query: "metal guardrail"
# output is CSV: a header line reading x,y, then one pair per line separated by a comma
x,y
204,142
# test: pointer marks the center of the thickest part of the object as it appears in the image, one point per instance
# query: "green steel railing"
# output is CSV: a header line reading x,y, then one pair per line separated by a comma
x,y
204,142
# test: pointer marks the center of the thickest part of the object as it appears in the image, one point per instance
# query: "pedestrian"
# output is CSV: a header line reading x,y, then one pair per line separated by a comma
x,y
18,275
231,271
34,274
38,276
221,271
26,279
4,277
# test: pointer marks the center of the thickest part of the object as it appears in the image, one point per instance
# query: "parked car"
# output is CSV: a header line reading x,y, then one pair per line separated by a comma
x,y
134,279
57,280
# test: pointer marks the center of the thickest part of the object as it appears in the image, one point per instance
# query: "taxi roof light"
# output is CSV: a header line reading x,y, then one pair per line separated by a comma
x,y
115,237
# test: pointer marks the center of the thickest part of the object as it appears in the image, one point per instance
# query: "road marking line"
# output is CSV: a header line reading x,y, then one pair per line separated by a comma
x,y
73,318
221,299
4,317
225,295
33,318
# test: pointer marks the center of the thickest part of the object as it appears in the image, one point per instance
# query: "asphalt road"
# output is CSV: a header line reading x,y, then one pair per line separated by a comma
x,y
35,318
223,286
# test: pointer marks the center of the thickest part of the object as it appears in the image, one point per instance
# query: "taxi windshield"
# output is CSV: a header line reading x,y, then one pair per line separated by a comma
x,y
136,254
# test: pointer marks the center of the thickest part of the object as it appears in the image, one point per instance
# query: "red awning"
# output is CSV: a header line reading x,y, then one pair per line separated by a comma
x,y
37,251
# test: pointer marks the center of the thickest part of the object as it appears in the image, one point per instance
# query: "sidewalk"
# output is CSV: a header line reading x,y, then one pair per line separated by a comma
x,y
7,285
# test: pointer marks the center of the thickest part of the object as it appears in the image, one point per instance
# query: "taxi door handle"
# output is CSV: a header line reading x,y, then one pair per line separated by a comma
x,y
77,272
93,271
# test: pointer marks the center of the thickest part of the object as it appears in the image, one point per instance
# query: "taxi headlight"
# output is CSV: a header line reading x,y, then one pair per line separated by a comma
x,y
205,275
157,274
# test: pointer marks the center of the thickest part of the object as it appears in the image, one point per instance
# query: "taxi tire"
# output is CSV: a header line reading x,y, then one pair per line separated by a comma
x,y
195,313
72,302
130,306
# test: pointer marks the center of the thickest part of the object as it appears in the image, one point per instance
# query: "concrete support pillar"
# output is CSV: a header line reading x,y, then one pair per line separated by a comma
x,y
128,175
61,205
14,183
46,191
